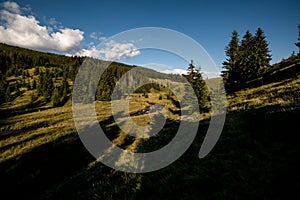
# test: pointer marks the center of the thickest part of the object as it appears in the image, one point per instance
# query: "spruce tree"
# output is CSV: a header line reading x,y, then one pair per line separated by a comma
x,y
40,86
64,90
2,91
56,98
46,85
298,43
231,75
248,58
7,95
194,77
262,51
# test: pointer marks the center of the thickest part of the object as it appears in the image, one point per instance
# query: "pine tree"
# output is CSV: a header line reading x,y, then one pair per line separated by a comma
x,y
46,85
262,58
40,86
64,90
2,91
7,95
231,75
245,61
56,98
248,58
194,77
298,43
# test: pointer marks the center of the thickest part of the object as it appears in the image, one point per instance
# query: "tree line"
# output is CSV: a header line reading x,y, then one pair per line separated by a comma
x,y
247,59
43,73
51,76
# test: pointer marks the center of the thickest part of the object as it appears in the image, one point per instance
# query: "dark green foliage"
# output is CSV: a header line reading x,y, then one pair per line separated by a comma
x,y
148,87
45,85
286,69
115,71
2,89
56,100
194,77
17,89
36,71
109,79
34,84
231,73
262,52
7,95
246,60
28,85
15,61
64,90
51,70
34,97
298,43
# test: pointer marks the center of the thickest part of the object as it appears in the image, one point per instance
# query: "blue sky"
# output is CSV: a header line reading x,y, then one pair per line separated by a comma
x,y
74,25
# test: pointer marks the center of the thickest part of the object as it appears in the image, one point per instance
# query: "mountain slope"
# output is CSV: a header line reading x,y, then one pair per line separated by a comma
x,y
256,157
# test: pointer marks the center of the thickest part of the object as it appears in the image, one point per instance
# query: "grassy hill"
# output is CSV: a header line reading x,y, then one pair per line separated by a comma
x,y
256,157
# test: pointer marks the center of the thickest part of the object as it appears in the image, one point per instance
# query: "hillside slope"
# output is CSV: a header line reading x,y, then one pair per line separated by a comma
x,y
256,157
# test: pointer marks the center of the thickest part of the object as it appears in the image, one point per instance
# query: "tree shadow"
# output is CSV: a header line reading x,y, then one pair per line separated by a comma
x,y
24,109
32,173
257,156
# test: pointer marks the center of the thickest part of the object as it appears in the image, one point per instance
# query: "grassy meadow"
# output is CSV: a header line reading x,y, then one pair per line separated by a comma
x,y
256,157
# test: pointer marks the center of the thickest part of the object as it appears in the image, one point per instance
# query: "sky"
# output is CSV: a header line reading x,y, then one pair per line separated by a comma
x,y
89,28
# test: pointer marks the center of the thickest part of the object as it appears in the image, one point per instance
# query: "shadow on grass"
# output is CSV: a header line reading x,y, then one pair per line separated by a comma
x,y
24,109
30,175
256,157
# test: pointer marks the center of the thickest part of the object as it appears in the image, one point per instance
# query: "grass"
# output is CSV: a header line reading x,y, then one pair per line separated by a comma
x,y
256,157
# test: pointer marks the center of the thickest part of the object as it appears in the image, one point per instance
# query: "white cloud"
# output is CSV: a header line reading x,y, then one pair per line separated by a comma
x,y
175,71
112,50
97,36
211,74
12,7
93,35
102,38
26,31
205,74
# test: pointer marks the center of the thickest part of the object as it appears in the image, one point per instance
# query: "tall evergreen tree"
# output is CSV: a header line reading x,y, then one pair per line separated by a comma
x,y
56,98
7,95
2,91
248,58
262,56
230,75
298,43
64,90
245,60
194,77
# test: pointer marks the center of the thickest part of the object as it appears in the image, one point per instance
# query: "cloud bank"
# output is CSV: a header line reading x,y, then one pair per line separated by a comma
x,y
25,31
205,74
112,51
